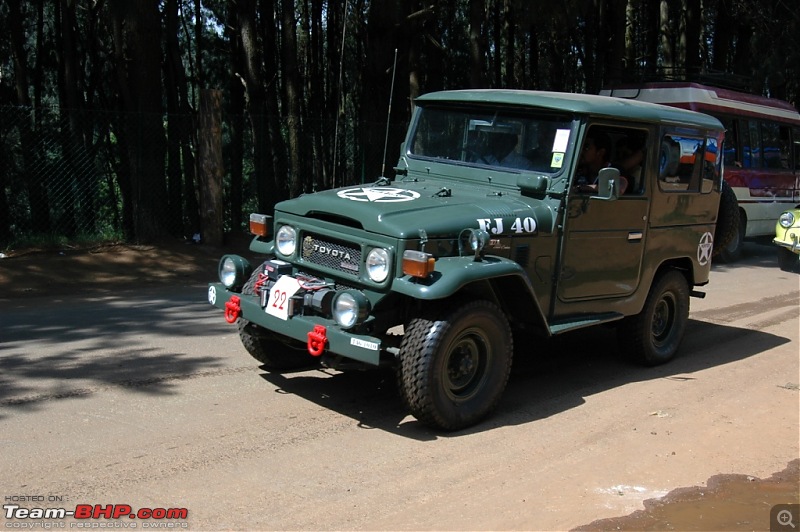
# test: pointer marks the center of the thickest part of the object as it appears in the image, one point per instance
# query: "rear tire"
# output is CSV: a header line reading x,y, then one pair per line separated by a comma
x,y
733,251
653,336
454,369
729,232
271,350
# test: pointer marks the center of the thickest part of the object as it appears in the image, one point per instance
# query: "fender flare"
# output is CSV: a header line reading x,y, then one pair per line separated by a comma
x,y
452,274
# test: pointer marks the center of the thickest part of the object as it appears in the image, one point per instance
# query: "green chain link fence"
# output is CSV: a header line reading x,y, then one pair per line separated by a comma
x,y
61,173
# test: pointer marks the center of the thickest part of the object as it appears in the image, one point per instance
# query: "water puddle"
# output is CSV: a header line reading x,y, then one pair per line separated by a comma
x,y
727,502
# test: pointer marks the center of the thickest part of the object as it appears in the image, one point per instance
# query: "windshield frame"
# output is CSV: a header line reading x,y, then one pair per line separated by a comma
x,y
545,138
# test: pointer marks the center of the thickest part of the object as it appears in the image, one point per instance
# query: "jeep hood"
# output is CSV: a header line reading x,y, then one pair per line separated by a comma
x,y
400,210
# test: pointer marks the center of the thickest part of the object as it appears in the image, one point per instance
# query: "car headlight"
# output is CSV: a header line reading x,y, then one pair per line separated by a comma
x,y
786,220
286,240
350,308
234,271
378,264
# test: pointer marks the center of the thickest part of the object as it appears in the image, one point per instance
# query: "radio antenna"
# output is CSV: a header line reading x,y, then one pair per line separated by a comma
x,y
341,103
389,116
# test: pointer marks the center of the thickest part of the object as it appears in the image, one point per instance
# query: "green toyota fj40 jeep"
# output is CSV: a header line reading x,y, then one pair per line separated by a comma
x,y
511,211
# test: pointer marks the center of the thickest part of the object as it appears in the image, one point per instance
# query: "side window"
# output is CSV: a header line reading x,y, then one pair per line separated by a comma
x,y
744,137
751,144
680,163
775,140
623,148
711,165
731,146
796,141
630,148
785,139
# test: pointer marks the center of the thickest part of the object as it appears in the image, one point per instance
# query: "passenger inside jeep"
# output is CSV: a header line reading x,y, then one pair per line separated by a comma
x,y
629,159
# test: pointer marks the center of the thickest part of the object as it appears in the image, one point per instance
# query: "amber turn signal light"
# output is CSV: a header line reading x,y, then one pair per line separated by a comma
x,y
418,263
259,224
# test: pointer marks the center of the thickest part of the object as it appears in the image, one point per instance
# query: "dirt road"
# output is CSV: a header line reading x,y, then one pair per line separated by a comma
x,y
143,396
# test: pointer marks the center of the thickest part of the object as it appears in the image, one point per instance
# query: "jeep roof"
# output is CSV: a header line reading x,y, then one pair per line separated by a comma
x,y
594,105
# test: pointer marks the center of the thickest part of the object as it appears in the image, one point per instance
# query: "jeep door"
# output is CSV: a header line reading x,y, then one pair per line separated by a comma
x,y
604,240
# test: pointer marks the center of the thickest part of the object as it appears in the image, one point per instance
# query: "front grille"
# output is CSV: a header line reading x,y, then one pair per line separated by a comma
x,y
305,277
340,256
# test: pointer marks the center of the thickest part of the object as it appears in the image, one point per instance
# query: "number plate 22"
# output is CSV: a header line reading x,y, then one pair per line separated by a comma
x,y
278,303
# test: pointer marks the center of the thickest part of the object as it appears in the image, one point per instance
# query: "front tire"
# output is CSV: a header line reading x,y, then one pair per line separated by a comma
x,y
653,336
454,369
268,348
274,353
788,261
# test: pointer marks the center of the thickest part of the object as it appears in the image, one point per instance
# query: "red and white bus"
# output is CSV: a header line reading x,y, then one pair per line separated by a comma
x,y
761,151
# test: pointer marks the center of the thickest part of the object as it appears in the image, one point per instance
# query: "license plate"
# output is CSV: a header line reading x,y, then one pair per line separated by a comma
x,y
280,296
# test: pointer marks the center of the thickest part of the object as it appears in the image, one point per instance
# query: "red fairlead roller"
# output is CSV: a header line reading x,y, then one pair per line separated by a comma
x,y
317,340
232,309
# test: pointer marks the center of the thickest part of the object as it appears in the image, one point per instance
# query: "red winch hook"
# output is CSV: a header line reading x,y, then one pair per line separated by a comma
x,y
317,340
232,309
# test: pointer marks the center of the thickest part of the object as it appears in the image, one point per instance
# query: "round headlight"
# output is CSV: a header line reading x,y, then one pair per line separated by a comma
x,y
234,271
786,220
350,308
227,272
286,240
378,264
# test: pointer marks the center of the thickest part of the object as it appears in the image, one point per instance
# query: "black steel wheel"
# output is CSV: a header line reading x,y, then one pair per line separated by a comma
x,y
453,370
653,336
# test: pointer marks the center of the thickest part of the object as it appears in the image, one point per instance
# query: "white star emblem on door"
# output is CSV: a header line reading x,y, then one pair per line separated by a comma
x,y
705,248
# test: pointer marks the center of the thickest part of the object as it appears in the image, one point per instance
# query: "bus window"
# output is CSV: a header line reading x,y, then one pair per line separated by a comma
x,y
731,146
786,147
775,143
796,138
751,145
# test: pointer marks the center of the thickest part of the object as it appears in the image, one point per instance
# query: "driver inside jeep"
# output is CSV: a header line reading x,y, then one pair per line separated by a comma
x,y
500,151
594,157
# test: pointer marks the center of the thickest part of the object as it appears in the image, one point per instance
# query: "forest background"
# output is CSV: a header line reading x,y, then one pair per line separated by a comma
x,y
105,105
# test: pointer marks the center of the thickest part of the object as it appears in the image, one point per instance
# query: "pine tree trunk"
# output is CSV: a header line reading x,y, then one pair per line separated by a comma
x,y
210,165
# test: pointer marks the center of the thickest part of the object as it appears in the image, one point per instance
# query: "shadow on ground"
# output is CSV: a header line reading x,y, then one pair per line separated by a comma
x,y
69,349
549,376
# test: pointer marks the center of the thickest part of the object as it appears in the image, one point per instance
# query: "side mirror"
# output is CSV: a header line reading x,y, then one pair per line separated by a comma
x,y
608,184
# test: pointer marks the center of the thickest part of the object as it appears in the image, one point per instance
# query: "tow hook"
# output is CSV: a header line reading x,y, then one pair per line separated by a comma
x,y
317,340
232,309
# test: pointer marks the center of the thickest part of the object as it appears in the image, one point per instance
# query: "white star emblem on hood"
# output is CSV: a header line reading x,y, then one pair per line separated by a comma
x,y
378,194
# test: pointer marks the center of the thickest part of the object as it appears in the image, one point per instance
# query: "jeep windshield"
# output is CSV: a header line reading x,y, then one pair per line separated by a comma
x,y
521,141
